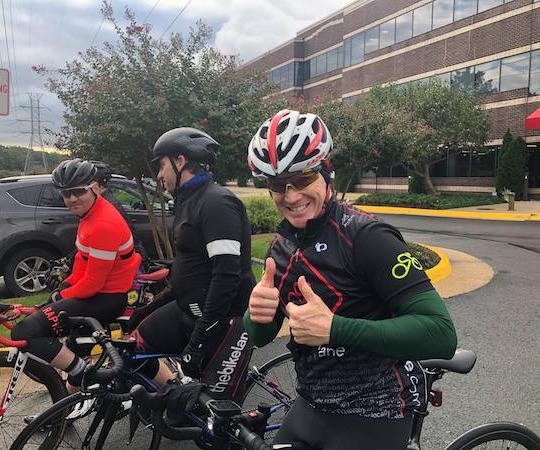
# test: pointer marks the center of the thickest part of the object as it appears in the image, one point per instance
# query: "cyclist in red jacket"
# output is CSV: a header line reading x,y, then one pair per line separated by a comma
x,y
105,265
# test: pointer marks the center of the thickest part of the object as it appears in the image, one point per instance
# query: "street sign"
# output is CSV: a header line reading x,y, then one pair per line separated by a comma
x,y
4,92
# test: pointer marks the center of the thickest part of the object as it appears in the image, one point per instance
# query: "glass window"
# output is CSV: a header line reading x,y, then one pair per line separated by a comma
x,y
357,48
443,11
515,72
27,195
483,162
339,51
130,198
321,64
313,67
534,88
51,197
332,60
347,44
404,27
464,8
372,39
388,33
422,19
463,78
458,163
444,77
484,5
486,77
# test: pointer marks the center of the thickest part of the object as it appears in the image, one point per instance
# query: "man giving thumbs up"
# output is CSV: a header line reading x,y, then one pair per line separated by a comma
x,y
361,311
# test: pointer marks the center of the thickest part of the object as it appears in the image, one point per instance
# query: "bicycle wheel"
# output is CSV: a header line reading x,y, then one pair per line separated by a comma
x,y
497,435
29,397
274,383
75,415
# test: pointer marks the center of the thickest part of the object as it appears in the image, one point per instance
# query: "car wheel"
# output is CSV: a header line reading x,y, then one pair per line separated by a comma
x,y
26,271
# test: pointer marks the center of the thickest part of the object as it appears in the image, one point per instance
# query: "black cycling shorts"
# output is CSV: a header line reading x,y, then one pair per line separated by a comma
x,y
306,425
42,328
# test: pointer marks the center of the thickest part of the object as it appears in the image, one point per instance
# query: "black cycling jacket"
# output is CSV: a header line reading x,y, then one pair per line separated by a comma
x,y
361,268
211,274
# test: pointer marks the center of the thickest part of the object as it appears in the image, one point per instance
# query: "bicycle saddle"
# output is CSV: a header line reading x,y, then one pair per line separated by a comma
x,y
462,362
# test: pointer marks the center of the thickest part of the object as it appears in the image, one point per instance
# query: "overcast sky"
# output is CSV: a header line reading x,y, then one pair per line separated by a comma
x,y
51,32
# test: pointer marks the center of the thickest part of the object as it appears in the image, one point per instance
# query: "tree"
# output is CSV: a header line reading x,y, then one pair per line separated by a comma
x,y
512,164
365,133
119,100
444,116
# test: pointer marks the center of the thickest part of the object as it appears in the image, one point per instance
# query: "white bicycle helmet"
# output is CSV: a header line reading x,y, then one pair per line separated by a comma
x,y
289,142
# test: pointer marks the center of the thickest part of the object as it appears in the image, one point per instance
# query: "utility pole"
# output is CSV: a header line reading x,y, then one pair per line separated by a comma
x,y
35,130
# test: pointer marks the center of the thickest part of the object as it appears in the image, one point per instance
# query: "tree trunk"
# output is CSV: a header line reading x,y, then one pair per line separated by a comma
x,y
428,185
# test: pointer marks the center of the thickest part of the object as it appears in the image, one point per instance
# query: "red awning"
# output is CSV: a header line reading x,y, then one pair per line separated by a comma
x,y
533,120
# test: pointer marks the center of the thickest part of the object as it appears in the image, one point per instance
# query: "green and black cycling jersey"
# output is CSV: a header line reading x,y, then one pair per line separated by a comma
x,y
387,314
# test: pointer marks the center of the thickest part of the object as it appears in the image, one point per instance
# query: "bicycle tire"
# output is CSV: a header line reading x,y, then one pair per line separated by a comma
x,y
30,396
504,435
278,377
34,436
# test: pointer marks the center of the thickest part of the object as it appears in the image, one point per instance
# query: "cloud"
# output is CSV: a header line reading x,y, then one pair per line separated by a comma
x,y
52,32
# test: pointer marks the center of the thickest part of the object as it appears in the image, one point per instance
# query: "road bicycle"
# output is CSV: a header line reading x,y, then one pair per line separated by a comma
x,y
108,395
29,387
222,424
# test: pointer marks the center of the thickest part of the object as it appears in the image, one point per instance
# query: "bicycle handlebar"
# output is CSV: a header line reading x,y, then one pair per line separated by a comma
x,y
96,374
229,418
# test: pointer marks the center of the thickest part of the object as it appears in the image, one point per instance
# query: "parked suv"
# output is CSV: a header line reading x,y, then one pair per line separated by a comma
x,y
36,227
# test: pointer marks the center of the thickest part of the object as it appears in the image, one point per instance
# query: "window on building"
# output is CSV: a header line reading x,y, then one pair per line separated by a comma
x,y
321,64
534,87
459,163
484,5
464,8
483,162
388,33
301,70
422,19
332,60
313,67
357,48
443,12
486,77
404,27
372,39
463,78
347,43
515,72
444,77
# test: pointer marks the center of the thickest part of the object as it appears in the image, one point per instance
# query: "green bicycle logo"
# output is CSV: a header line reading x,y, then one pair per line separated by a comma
x,y
403,266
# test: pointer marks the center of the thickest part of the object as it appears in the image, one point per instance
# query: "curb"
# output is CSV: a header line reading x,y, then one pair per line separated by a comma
x,y
522,217
442,270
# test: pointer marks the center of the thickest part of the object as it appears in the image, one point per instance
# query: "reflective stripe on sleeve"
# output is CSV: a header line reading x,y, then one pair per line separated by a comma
x,y
102,254
223,247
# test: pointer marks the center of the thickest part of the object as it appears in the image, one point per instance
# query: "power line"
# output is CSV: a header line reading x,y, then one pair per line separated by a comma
x,y
174,20
6,36
99,28
151,11
16,73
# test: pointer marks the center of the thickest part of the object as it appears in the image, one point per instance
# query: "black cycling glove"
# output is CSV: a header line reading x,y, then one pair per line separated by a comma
x,y
181,398
191,363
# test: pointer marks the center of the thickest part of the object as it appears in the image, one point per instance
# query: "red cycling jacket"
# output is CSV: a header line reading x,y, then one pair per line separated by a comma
x,y
106,260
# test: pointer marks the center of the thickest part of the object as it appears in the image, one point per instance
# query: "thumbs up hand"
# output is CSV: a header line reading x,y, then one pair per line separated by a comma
x,y
264,298
311,322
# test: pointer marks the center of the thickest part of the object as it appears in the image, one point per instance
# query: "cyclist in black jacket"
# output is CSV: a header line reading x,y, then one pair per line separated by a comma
x,y
361,310
211,275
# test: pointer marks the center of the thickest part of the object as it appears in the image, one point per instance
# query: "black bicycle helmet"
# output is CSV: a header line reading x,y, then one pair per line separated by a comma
x,y
194,144
103,173
73,173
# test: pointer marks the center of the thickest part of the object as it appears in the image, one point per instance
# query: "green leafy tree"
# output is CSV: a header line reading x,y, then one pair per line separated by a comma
x,y
119,100
444,116
512,164
365,133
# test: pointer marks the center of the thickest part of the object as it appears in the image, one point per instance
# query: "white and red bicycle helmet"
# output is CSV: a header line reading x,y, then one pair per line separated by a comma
x,y
289,142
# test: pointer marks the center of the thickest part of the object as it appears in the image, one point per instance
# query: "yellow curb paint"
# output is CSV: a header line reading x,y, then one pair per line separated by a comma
x,y
449,213
442,269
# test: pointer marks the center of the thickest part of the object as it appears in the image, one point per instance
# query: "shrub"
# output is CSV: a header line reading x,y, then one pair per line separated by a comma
x,y
262,214
416,184
426,201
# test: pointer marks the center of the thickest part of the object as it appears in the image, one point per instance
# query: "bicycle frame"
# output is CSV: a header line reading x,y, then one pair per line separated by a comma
x,y
9,314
